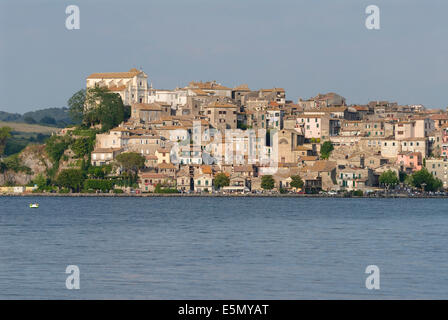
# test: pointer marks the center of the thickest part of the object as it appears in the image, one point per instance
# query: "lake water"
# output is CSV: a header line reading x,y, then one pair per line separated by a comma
x,y
223,248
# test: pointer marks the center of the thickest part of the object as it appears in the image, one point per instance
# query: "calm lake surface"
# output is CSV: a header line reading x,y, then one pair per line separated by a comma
x,y
223,248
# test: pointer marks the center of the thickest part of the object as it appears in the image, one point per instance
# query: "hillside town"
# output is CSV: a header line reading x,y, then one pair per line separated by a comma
x,y
367,140
256,140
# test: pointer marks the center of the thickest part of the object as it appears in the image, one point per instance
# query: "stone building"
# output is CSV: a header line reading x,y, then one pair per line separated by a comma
x,y
132,86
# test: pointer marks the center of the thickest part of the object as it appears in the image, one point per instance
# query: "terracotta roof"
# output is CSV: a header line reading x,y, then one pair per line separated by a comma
x,y
163,150
303,148
166,166
116,88
439,117
115,75
148,106
119,129
273,89
206,169
361,108
244,168
243,87
210,85
152,175
200,92
105,150
221,105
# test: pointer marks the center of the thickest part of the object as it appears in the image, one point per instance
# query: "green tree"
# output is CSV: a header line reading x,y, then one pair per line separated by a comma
x,y
161,189
423,178
326,149
98,184
76,106
126,112
267,182
97,105
389,178
40,181
5,134
402,176
55,147
29,120
71,179
221,180
99,171
131,162
103,107
296,182
47,120
82,146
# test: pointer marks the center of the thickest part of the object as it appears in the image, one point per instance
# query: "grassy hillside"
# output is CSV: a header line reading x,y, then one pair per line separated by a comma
x,y
23,134
28,128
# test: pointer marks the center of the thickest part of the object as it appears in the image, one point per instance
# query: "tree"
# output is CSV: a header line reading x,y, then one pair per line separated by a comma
x,y
103,107
40,181
326,149
221,180
29,120
126,112
71,179
76,106
97,105
389,178
267,182
47,120
82,146
5,134
55,147
296,182
423,178
131,161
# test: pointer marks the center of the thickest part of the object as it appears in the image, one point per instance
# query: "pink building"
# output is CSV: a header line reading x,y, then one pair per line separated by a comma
x,y
313,126
410,161
444,151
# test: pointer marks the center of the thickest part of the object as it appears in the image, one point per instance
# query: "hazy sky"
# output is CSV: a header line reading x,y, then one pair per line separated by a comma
x,y
306,47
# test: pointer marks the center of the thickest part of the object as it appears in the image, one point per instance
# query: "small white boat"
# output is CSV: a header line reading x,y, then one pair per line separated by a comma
x,y
34,205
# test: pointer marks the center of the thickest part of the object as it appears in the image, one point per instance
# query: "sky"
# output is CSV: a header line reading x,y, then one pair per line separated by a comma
x,y
306,47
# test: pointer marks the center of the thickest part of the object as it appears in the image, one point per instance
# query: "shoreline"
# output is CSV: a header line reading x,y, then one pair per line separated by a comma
x,y
180,195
